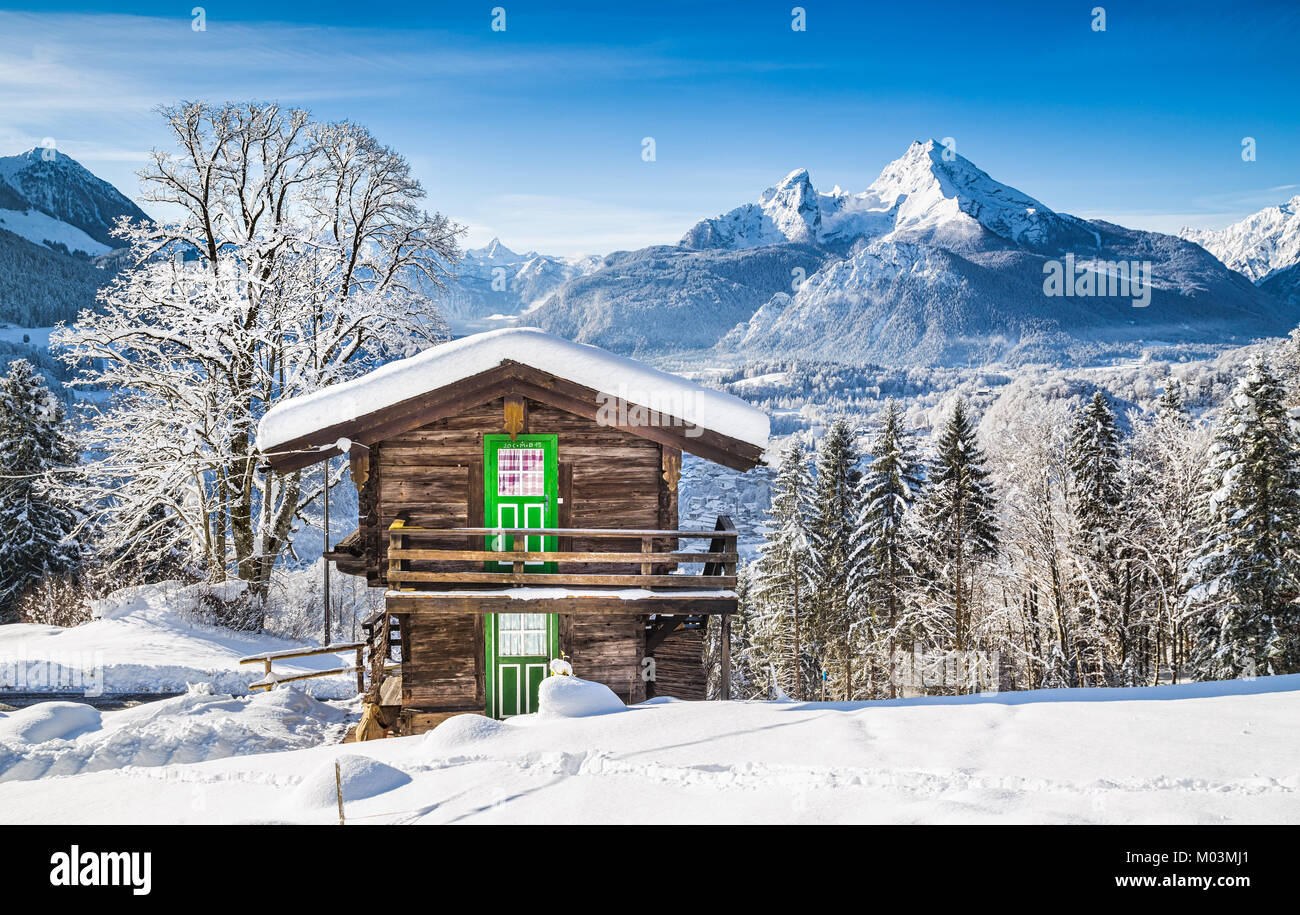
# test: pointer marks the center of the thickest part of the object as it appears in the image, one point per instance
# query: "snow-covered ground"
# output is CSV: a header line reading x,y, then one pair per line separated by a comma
x,y
38,337
150,640
65,738
1199,753
40,228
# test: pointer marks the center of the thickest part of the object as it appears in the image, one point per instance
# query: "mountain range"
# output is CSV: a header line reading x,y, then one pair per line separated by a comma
x,y
56,242
935,262
1260,246
494,284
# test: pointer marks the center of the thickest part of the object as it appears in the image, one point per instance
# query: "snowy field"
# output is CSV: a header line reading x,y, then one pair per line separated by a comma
x,y
1201,753
150,639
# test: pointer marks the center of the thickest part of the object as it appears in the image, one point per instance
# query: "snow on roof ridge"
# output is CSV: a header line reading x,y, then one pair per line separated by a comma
x,y
447,363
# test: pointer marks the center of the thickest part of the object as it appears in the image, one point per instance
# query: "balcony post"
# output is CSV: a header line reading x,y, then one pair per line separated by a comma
x,y
724,688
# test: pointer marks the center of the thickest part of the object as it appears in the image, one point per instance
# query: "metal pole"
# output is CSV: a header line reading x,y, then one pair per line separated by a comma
x,y
324,557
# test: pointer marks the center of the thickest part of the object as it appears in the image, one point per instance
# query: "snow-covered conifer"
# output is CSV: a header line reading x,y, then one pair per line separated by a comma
x,y
37,523
785,575
1097,499
960,524
834,520
881,570
1244,609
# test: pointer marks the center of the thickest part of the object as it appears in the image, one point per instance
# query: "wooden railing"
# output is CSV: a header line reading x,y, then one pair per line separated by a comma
x,y
719,560
270,678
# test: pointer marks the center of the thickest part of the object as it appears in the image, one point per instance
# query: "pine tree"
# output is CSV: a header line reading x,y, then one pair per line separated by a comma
x,y
1097,490
881,569
1244,609
36,522
785,574
1094,456
835,511
960,521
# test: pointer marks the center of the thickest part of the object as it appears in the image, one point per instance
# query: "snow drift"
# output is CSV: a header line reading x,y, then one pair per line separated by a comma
x,y
569,697
66,738
358,776
150,639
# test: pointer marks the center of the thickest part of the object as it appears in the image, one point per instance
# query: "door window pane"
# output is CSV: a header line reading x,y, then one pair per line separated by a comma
x,y
522,634
521,472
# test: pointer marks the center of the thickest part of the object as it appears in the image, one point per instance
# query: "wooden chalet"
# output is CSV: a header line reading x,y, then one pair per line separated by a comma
x,y
518,502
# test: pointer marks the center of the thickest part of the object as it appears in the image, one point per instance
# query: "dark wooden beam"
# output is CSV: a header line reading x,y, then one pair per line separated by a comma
x,y
724,688
433,603
659,630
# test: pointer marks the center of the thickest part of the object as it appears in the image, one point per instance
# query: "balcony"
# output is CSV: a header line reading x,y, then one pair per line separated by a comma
x,y
456,568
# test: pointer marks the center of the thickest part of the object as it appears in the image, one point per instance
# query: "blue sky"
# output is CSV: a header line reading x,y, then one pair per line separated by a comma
x,y
534,134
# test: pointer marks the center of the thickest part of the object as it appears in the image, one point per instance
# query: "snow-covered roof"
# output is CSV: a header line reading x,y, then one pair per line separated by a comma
x,y
448,363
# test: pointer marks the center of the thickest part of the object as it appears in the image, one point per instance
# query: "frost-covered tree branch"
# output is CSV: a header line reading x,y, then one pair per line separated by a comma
x,y
298,256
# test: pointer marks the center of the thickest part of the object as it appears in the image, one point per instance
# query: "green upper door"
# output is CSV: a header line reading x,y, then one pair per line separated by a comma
x,y
520,490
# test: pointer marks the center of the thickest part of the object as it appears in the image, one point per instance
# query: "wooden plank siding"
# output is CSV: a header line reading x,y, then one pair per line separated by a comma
x,y
432,475
679,666
442,665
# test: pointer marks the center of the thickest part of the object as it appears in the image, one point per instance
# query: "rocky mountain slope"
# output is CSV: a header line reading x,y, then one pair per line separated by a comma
x,y
936,263
56,242
1259,245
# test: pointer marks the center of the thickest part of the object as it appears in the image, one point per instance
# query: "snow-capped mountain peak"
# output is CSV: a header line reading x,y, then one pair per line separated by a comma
x,y
494,252
793,207
1259,245
929,189
790,211
931,185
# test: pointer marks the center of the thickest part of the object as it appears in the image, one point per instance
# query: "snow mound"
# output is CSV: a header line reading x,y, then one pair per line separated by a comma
x,y
569,697
361,777
68,738
49,721
462,731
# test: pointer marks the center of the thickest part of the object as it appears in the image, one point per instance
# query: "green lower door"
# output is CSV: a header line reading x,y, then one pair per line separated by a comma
x,y
521,653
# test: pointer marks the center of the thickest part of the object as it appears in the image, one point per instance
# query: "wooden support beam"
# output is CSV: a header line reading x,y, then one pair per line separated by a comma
x,y
516,415
672,466
660,629
724,651
628,558
585,532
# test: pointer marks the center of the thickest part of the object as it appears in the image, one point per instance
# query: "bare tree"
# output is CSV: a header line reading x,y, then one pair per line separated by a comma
x,y
294,256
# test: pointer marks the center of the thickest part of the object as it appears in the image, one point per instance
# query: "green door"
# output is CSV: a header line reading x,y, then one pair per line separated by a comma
x,y
520,647
520,490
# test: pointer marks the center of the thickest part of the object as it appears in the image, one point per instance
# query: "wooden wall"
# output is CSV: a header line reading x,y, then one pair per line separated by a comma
x,y
442,664
679,666
432,474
